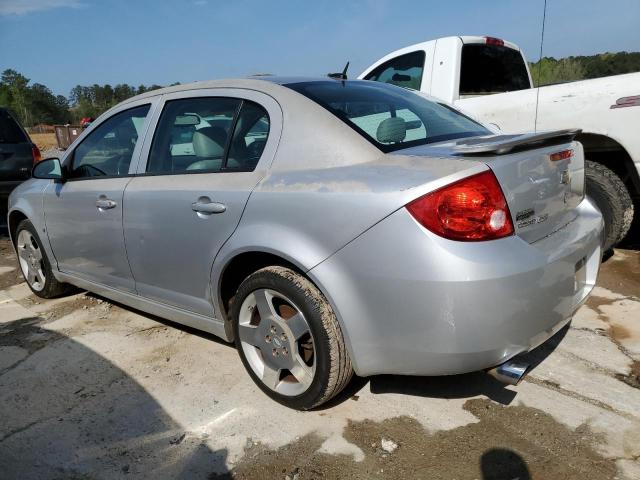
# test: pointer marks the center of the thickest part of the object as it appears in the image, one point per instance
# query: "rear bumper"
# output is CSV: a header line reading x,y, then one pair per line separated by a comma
x,y
413,303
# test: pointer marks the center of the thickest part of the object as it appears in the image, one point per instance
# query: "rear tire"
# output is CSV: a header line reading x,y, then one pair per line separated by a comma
x,y
611,196
265,305
35,265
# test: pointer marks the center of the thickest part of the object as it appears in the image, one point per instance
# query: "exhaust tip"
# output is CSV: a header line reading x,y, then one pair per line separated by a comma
x,y
510,372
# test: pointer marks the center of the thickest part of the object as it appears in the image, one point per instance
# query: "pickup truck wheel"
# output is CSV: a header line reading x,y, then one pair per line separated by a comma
x,y
289,339
34,263
611,196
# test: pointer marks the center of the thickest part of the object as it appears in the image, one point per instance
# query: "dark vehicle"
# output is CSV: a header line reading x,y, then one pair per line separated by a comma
x,y
18,154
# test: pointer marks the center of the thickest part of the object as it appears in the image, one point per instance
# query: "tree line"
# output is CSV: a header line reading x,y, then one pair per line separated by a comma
x,y
549,70
34,103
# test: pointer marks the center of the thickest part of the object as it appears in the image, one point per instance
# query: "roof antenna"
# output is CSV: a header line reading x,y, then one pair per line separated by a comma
x,y
340,76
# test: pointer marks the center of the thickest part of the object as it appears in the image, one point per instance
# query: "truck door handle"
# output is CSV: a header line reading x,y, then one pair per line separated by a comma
x,y
208,207
105,204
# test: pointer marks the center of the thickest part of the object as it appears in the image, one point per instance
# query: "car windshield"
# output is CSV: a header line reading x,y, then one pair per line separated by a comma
x,y
390,117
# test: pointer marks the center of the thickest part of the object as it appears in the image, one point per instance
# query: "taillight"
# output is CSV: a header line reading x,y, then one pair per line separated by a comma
x,y
472,209
563,155
35,152
494,41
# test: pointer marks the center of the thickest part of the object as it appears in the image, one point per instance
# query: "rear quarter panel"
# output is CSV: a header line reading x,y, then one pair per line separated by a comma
x,y
305,216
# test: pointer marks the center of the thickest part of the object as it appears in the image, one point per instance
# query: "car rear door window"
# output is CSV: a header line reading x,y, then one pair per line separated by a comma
x,y
403,71
249,137
208,134
107,150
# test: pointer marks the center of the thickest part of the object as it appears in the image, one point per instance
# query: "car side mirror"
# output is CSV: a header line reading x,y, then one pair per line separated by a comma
x,y
49,168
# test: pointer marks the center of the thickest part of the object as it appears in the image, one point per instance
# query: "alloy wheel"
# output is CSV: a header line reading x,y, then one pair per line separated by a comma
x,y
277,342
31,261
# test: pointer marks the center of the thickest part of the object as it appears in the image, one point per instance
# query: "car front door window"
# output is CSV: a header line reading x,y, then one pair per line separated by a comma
x,y
108,150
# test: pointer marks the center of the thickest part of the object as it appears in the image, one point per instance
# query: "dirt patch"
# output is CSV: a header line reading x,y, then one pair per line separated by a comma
x,y
596,302
507,442
633,377
8,259
44,141
621,273
618,332
9,279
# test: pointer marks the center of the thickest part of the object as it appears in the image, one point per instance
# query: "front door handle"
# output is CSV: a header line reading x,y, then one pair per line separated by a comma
x,y
208,207
105,204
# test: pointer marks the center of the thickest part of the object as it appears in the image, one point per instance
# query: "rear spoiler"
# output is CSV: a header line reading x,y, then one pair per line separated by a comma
x,y
501,144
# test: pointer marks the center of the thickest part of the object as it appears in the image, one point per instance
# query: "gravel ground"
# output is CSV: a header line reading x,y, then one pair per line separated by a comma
x,y
53,152
91,390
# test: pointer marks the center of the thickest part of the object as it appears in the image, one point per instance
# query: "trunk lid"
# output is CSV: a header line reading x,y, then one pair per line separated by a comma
x,y
542,193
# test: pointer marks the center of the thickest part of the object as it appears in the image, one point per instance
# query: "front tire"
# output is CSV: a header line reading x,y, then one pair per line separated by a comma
x,y
611,196
289,339
34,263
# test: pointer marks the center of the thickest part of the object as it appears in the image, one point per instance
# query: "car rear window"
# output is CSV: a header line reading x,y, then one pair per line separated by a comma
x,y
390,117
10,132
488,69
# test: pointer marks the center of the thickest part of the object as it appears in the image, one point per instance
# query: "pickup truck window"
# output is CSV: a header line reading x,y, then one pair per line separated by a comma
x,y
403,71
390,117
488,69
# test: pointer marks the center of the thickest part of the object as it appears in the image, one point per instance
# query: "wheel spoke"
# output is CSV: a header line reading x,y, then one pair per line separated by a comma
x,y
40,276
264,305
23,253
302,372
270,377
248,334
37,254
298,325
31,275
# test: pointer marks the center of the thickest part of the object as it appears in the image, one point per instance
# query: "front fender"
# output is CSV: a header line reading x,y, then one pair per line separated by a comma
x,y
28,200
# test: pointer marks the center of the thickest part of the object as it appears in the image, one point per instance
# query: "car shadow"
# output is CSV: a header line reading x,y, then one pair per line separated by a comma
x,y
68,412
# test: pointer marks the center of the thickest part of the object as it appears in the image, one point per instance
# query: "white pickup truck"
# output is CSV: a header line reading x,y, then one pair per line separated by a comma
x,y
489,79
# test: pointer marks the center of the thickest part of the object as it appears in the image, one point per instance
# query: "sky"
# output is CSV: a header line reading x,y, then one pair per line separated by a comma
x,y
63,43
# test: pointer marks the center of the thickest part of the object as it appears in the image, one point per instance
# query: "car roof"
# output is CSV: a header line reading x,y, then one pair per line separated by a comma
x,y
265,83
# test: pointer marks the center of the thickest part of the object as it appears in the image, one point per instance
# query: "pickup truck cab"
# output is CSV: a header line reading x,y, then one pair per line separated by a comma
x,y
489,79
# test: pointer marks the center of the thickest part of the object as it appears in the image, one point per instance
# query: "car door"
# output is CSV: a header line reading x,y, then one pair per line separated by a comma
x,y
83,215
210,148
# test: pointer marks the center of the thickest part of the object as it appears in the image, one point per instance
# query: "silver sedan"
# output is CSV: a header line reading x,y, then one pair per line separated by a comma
x,y
325,226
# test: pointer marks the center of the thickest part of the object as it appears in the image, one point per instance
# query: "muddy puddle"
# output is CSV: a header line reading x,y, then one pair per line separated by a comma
x,y
621,273
506,443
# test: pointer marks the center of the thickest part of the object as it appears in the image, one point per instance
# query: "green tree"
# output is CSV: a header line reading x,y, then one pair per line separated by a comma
x,y
549,70
16,84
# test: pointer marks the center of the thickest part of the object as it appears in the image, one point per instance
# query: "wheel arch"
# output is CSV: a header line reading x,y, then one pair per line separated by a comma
x,y
609,152
14,219
241,264
238,267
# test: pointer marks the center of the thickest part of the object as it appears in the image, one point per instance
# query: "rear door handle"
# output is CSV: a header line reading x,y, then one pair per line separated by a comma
x,y
208,207
105,204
